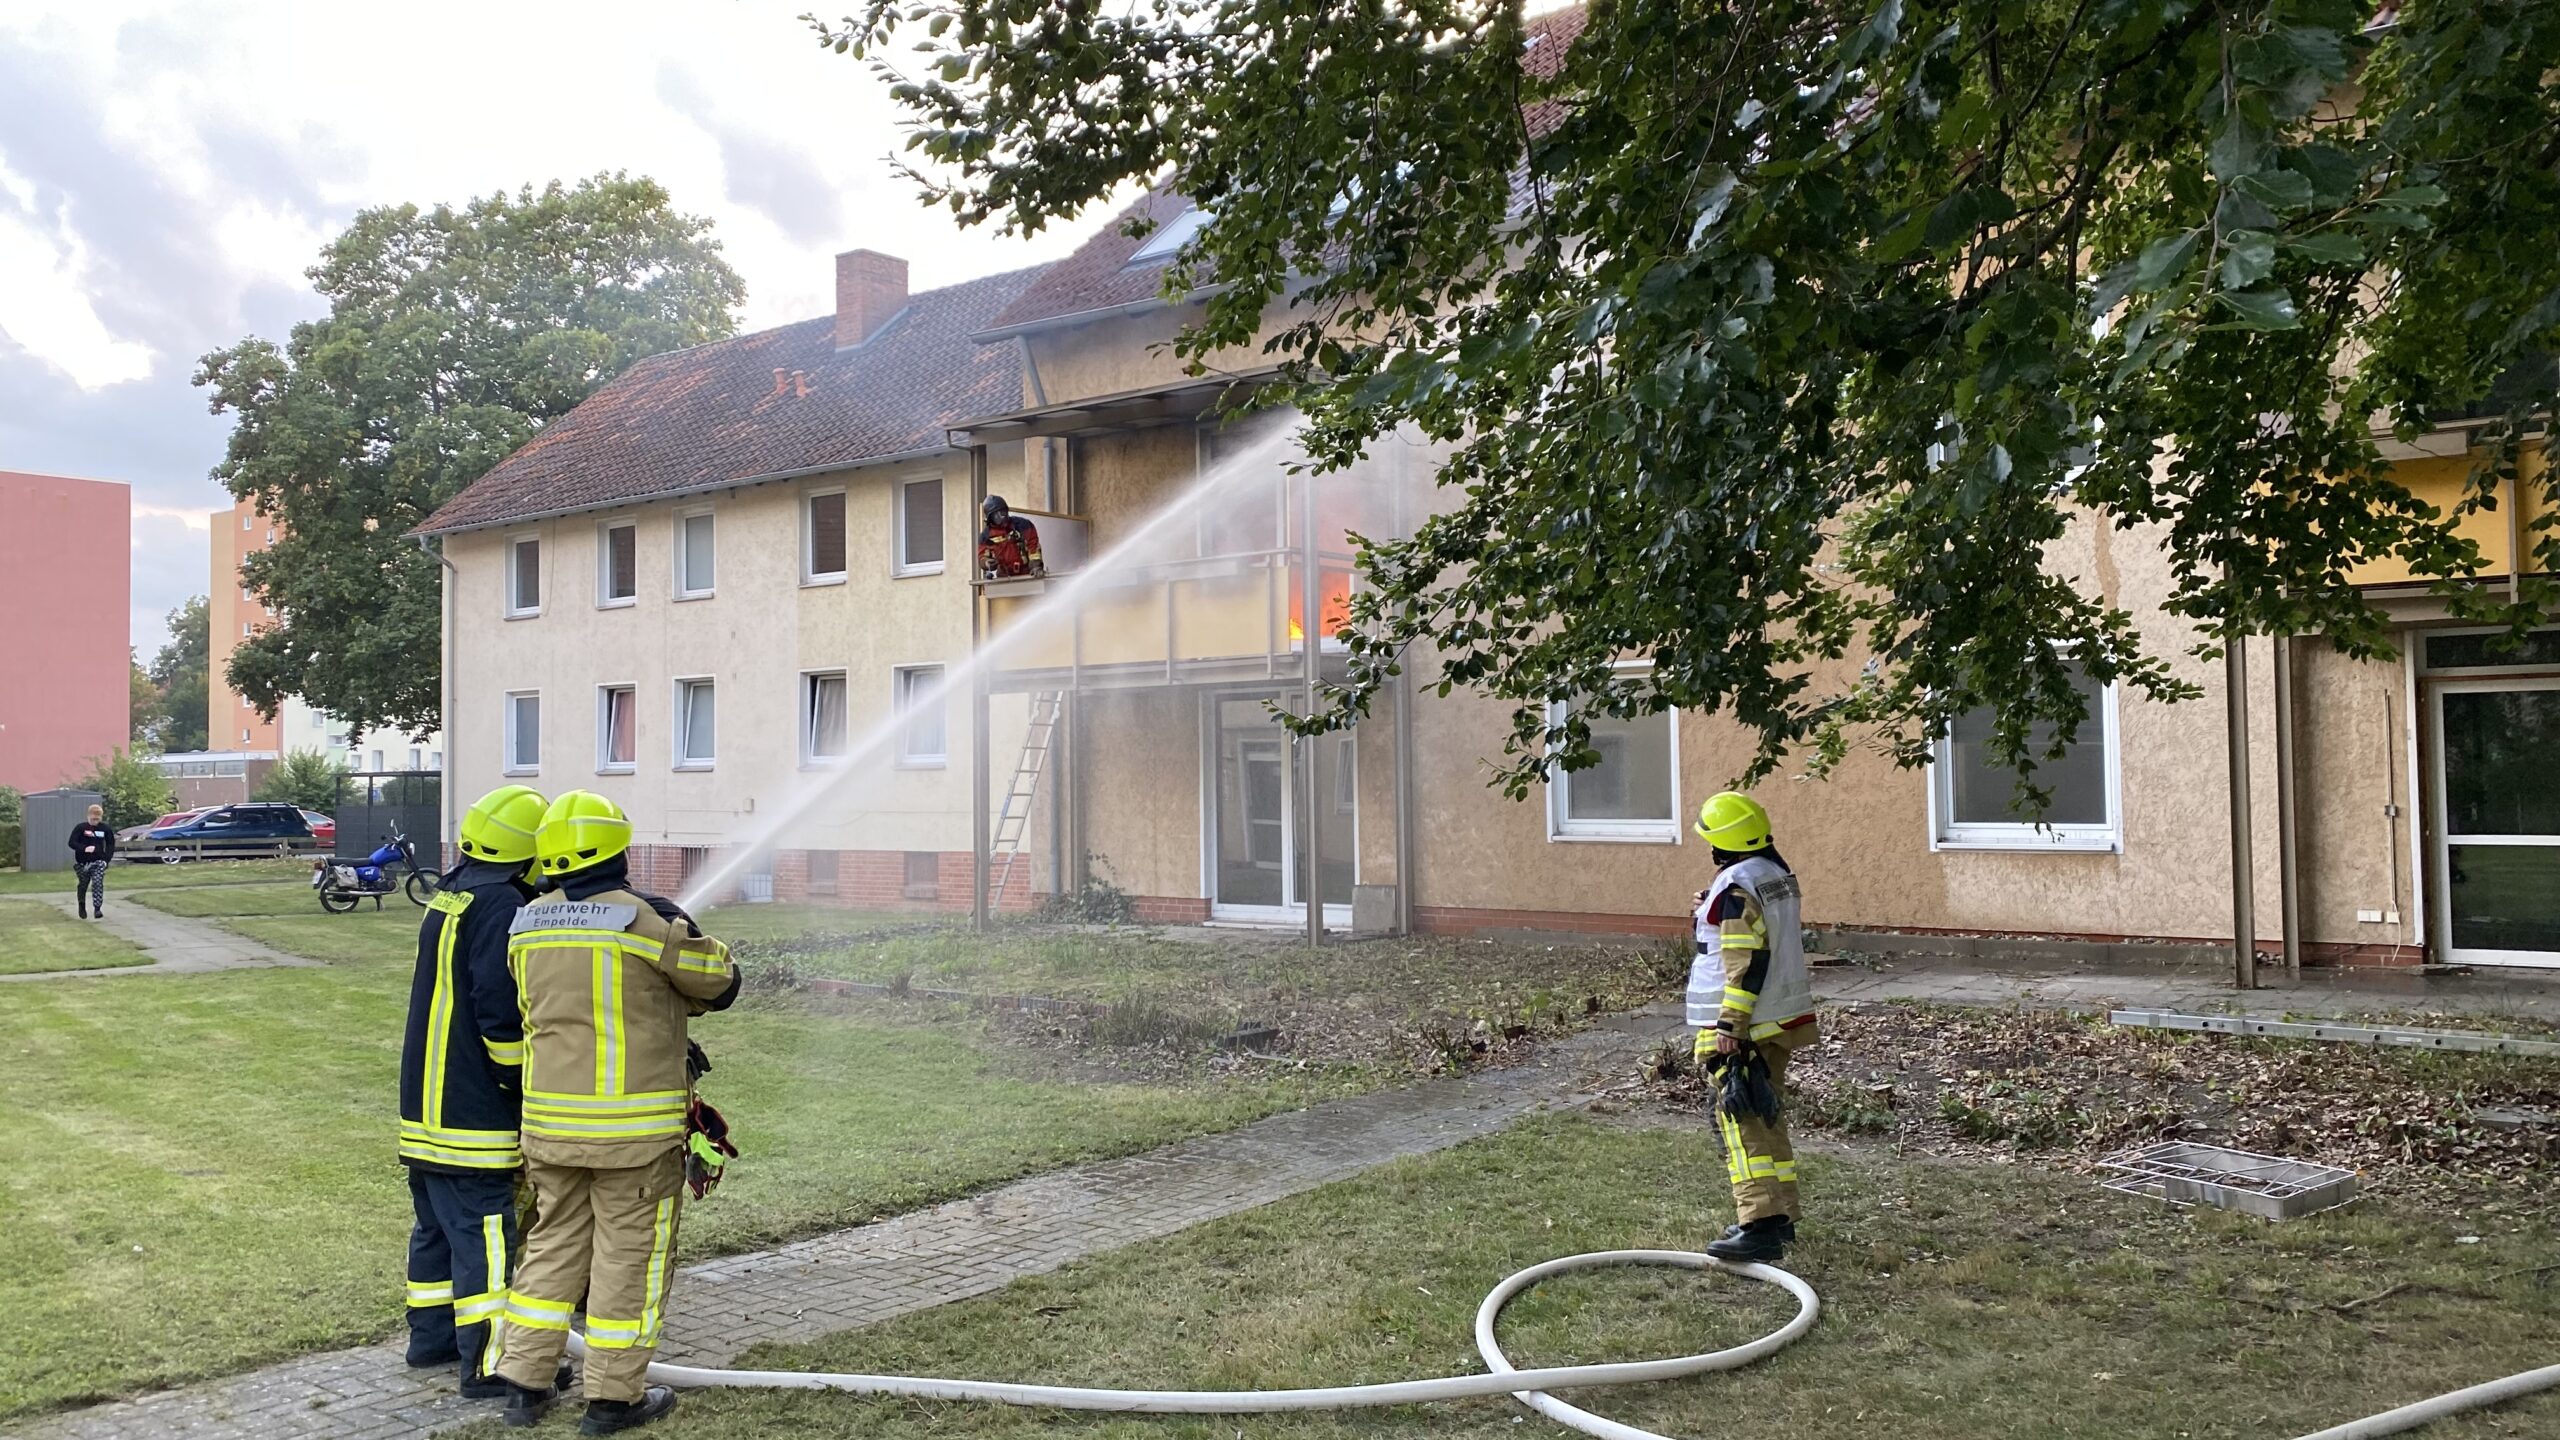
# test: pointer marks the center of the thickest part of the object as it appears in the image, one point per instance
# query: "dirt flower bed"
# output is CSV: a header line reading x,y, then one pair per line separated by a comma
x,y
1979,1082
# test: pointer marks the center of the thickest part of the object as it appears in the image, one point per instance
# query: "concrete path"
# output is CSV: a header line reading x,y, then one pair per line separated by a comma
x,y
176,944
2473,1000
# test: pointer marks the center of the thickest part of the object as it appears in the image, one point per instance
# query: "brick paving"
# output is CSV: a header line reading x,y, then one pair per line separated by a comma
x,y
968,1247
177,945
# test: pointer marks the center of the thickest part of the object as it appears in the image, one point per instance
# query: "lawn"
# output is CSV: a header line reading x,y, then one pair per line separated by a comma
x,y
152,877
35,937
198,1175
1960,1301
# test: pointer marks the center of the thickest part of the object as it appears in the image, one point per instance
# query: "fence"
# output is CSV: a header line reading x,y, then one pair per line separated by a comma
x,y
372,803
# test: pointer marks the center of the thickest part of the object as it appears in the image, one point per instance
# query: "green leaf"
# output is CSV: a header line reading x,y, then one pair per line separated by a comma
x,y
2248,259
2269,307
2163,258
2279,190
2328,247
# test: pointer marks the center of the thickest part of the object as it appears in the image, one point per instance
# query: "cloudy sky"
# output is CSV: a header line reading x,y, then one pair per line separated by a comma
x,y
168,170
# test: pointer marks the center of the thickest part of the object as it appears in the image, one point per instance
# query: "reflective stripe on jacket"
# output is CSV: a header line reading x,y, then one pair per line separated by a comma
x,y
464,1042
607,987
1749,976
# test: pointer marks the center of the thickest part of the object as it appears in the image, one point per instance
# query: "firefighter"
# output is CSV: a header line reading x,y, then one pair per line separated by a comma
x,y
1750,995
460,1061
608,978
1008,546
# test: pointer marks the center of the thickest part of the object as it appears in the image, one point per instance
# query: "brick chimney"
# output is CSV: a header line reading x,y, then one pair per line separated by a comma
x,y
870,288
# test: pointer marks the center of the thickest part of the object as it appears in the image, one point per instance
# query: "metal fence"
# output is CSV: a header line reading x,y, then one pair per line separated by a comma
x,y
371,803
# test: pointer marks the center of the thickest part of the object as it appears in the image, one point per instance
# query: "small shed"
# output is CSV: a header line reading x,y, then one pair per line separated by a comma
x,y
50,816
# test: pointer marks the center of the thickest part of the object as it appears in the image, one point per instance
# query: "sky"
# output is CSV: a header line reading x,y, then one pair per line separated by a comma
x,y
169,170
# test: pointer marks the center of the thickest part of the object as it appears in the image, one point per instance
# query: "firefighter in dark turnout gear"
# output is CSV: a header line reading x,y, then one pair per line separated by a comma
x,y
1008,545
460,1064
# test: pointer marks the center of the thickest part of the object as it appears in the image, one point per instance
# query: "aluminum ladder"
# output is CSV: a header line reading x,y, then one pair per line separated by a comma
x,y
1013,819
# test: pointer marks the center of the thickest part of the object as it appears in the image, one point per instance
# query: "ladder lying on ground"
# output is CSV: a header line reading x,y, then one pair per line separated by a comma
x,y
1013,821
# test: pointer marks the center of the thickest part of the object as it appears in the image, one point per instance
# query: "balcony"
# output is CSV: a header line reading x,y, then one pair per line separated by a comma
x,y
1216,619
2438,471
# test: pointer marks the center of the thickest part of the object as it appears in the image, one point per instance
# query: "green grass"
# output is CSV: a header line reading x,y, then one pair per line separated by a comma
x,y
197,1176
124,876
35,937
288,897
740,923
1959,1302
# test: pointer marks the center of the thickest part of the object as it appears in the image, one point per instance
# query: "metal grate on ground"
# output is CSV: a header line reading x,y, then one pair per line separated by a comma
x,y
2269,1186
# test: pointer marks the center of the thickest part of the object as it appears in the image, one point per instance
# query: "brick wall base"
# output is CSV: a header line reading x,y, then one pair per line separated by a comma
x,y
1463,920
1168,910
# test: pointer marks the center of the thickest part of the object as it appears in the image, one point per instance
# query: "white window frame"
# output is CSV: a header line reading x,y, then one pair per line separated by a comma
x,y
677,569
1563,829
605,598
809,573
2033,837
605,763
810,759
515,609
899,568
513,766
898,684
677,735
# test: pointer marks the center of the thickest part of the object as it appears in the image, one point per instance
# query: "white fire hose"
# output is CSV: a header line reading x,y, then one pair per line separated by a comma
x,y
1526,1386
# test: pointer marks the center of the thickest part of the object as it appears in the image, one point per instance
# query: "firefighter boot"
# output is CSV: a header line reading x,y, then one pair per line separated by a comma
x,y
609,1417
1758,1242
527,1407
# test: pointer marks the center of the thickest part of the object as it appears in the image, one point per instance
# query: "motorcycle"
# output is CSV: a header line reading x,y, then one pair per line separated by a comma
x,y
343,885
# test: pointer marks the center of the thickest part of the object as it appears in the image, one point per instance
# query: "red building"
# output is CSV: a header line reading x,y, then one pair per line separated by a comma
x,y
66,601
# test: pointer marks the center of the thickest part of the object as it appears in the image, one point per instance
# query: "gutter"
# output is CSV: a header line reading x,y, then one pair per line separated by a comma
x,y
449,819
902,457
1084,317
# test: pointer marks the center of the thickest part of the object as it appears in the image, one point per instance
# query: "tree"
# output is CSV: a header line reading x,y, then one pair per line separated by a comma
x,y
1778,341
303,777
452,337
143,704
133,791
180,681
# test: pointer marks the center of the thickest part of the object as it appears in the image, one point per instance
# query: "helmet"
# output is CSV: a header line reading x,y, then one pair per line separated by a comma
x,y
994,508
501,824
1730,820
581,829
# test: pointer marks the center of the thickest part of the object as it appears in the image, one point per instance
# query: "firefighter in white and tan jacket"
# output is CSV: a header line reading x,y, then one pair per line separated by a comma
x,y
1749,990
608,978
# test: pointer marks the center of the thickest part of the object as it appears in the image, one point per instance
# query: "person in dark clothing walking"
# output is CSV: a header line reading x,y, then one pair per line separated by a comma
x,y
92,846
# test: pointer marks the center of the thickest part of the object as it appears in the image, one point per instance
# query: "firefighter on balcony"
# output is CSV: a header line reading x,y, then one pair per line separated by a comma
x,y
1008,545
459,1066
608,977
1752,999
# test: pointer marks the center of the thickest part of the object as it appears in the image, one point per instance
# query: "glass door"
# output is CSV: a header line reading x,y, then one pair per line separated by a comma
x,y
1256,869
2497,805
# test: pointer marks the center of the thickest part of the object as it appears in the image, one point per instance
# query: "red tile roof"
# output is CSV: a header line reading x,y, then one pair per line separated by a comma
x,y
1099,277
697,419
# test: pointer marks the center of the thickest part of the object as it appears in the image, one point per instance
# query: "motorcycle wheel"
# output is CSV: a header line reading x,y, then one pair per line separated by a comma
x,y
421,887
337,901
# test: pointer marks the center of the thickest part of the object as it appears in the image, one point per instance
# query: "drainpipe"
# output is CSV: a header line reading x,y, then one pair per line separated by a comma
x,y
980,836
2288,836
445,798
2244,920
1311,656
1406,693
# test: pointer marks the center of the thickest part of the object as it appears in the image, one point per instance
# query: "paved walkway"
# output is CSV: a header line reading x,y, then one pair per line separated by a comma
x,y
872,1273
176,944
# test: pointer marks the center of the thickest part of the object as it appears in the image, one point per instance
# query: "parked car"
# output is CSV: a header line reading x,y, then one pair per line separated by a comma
x,y
250,829
323,828
132,834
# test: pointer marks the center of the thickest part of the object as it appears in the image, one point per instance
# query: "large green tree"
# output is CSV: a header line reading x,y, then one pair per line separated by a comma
x,y
1780,341
452,336
180,677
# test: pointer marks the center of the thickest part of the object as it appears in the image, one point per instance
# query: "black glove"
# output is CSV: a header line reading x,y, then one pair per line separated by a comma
x,y
1744,1087
669,910
696,1064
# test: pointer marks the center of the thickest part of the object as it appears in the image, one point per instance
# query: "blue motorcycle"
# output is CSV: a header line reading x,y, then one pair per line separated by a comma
x,y
343,886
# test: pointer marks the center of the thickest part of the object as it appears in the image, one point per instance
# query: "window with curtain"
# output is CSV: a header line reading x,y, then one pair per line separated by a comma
x,y
922,742
822,709
617,728
822,524
919,533
696,725
694,557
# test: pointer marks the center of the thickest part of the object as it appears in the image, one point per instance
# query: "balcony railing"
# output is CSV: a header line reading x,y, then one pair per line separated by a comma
x,y
1216,618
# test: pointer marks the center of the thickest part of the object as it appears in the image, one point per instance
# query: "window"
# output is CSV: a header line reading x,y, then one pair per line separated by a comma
x,y
1631,794
417,758
696,725
822,539
1975,800
524,577
822,872
1169,237
618,564
617,733
923,880
524,734
822,717
378,765
246,524
245,596
694,572
917,695
919,530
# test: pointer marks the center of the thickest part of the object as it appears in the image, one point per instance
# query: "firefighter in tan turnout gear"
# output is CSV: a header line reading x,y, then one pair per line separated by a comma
x,y
1752,999
608,978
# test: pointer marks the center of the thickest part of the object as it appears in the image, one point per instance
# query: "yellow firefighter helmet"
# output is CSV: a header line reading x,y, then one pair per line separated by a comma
x,y
501,824
1733,821
582,828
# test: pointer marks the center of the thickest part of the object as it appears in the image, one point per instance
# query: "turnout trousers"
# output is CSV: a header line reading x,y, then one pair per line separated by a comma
x,y
608,1236
459,1251
1757,1156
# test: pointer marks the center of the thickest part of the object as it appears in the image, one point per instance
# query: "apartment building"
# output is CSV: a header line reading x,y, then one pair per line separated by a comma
x,y
2398,812
233,725
66,584
726,591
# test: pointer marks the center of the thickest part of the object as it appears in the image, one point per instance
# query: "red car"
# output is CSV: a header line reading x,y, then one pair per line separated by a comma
x,y
323,829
